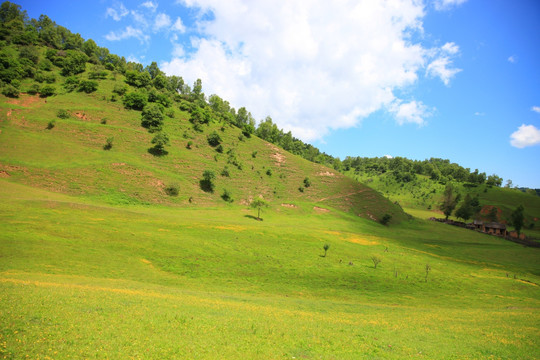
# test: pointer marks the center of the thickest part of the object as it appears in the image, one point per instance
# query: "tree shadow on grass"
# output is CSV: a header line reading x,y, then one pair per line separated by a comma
x,y
157,152
253,217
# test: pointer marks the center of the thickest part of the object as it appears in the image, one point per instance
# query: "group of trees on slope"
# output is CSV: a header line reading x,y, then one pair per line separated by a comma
x,y
22,57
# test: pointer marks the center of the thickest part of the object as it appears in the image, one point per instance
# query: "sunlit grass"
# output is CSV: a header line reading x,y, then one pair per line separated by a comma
x,y
81,279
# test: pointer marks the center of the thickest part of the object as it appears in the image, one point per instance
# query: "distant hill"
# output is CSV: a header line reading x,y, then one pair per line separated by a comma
x,y
421,195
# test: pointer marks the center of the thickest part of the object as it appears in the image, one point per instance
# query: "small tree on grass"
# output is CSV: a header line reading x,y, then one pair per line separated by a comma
x,y
259,204
307,182
159,141
227,196
376,261
214,139
449,200
517,218
428,269
207,182
386,219
109,144
152,117
325,247
172,190
47,90
88,86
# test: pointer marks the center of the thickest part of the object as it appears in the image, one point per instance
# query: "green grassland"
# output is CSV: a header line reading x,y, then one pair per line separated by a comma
x,y
97,261
85,279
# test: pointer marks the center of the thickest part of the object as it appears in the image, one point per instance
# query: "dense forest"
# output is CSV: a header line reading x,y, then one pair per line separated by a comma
x,y
32,49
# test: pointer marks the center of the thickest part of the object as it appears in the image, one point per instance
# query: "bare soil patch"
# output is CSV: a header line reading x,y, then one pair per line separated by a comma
x,y
289,205
320,210
26,100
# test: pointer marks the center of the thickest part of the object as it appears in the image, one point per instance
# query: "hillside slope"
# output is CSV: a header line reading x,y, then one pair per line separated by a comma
x,y
70,158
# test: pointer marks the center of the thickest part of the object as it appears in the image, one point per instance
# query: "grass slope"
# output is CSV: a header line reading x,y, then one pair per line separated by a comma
x,y
70,159
84,279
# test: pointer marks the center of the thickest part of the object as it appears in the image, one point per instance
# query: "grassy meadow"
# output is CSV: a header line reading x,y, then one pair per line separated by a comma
x,y
85,279
99,261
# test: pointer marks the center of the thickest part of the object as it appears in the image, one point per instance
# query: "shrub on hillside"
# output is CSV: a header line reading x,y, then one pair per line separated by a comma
x,y
214,139
88,86
34,89
120,89
172,190
109,144
207,182
386,219
227,196
135,100
159,141
10,91
62,114
152,117
47,90
71,83
51,124
225,172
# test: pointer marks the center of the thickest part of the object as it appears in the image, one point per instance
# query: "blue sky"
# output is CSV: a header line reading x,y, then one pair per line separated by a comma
x,y
454,79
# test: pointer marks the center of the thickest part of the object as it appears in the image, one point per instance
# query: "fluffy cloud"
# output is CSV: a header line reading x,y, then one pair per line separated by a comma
x,y
442,65
313,66
118,13
152,6
442,5
412,112
179,26
512,59
129,32
162,21
536,109
525,135
145,22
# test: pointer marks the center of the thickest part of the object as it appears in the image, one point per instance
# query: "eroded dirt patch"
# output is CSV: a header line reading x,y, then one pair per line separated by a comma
x,y
289,206
320,209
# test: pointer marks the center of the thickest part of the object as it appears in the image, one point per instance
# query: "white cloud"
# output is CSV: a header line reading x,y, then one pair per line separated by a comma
x,y
117,14
478,113
162,21
442,66
442,5
388,156
139,18
129,32
152,6
179,26
412,112
513,59
178,50
536,109
313,66
525,135
450,48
